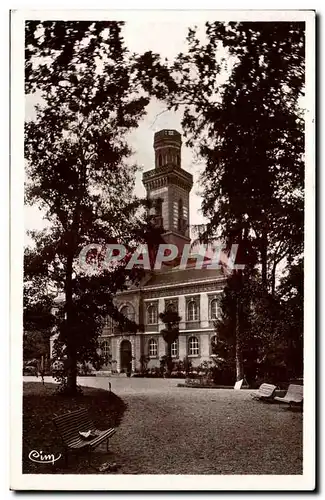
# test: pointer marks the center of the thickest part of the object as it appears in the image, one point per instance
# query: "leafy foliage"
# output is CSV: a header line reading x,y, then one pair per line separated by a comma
x,y
241,90
79,171
170,333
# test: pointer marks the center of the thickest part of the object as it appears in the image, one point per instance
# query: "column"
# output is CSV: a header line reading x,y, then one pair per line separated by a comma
x,y
204,313
161,309
161,347
204,347
182,347
133,353
118,357
182,312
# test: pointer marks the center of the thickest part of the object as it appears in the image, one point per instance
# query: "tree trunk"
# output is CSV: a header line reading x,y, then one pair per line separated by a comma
x,y
71,346
169,359
273,278
264,259
239,355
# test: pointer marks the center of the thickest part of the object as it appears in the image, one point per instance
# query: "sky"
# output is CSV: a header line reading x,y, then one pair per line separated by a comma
x,y
167,39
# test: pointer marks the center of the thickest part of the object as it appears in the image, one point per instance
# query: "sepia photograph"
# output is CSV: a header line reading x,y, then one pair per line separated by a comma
x,y
162,189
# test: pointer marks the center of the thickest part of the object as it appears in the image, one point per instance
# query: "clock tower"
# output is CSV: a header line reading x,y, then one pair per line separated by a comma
x,y
170,186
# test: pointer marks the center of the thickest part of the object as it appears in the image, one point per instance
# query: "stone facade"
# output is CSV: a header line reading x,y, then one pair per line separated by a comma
x,y
194,293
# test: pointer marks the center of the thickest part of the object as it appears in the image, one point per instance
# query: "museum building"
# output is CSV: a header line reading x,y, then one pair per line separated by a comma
x,y
193,293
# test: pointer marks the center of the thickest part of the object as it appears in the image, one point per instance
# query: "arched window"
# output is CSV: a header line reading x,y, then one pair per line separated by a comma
x,y
153,348
128,312
193,346
192,311
171,308
152,315
159,161
214,309
174,349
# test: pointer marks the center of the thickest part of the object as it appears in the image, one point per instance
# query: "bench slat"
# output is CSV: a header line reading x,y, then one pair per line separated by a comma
x,y
265,391
295,394
71,423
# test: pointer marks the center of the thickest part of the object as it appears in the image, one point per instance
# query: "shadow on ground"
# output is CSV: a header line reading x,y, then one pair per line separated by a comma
x,y
41,404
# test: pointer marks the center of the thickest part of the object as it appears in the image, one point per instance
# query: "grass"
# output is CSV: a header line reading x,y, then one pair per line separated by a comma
x,y
41,404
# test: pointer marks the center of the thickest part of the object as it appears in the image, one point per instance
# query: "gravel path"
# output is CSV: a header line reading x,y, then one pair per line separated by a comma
x,y
193,431
171,430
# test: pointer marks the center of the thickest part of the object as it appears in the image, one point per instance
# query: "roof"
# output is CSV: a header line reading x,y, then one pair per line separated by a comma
x,y
180,276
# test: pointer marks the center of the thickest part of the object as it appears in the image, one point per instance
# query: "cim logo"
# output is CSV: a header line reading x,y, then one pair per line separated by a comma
x,y
41,458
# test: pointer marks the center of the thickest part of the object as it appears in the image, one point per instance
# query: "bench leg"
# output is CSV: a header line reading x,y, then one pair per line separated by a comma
x,y
89,456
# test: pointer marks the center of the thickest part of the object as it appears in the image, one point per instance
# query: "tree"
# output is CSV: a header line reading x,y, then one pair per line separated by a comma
x,y
38,320
249,130
170,333
79,172
240,90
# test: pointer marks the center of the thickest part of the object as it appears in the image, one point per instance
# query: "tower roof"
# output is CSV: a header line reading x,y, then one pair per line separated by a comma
x,y
167,134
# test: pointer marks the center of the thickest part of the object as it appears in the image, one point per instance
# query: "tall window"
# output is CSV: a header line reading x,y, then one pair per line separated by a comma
x,y
214,340
153,348
159,160
180,208
171,308
214,309
181,226
192,311
105,348
178,160
159,207
128,312
174,349
152,315
193,346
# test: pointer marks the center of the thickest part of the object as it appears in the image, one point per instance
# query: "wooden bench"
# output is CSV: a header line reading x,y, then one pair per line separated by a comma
x,y
265,392
294,395
71,424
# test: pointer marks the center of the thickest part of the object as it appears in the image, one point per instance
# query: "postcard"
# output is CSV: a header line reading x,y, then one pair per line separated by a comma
x,y
162,271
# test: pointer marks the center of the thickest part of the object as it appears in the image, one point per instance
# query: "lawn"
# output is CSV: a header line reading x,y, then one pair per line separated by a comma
x,y
41,403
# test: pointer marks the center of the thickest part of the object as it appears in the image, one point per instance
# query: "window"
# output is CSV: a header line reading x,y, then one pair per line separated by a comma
x,y
153,348
159,207
214,340
193,346
178,161
128,312
213,343
152,316
214,309
181,221
159,160
171,308
192,311
180,208
105,348
174,349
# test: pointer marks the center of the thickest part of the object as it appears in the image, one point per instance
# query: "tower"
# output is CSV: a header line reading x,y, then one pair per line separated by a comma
x,y
169,185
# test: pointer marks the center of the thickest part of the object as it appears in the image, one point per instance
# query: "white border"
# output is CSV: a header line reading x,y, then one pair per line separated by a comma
x,y
153,482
